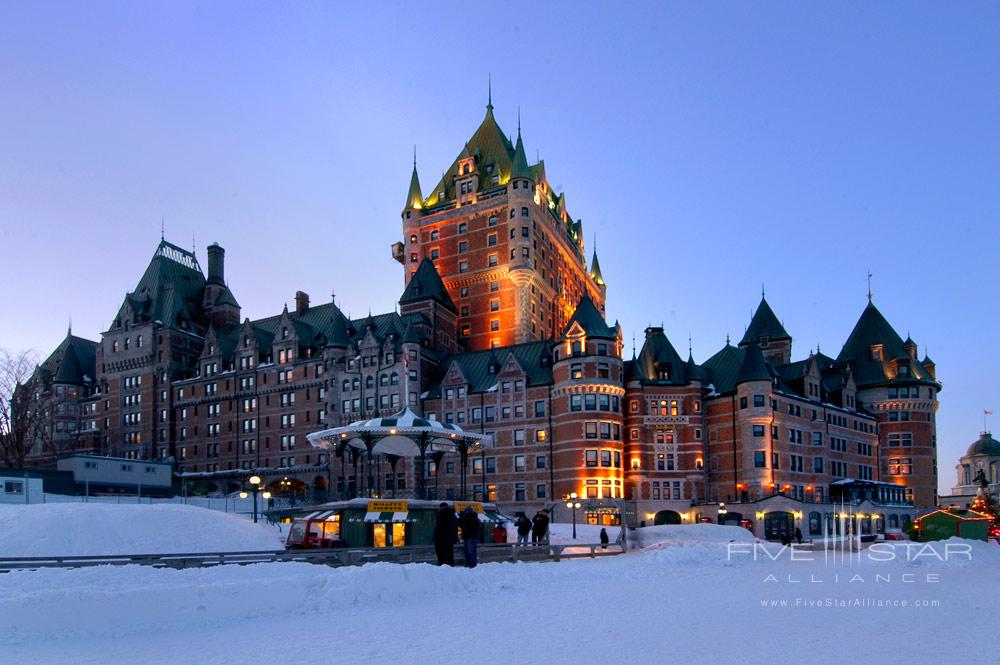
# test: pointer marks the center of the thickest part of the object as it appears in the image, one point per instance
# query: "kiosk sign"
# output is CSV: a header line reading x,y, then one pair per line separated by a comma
x,y
388,507
462,505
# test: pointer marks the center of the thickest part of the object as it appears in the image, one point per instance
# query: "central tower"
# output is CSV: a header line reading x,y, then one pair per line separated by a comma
x,y
508,252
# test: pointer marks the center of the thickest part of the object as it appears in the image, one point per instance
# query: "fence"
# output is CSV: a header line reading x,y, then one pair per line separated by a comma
x,y
488,553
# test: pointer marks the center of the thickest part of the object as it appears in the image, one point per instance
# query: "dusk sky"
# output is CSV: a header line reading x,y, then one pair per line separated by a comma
x,y
710,147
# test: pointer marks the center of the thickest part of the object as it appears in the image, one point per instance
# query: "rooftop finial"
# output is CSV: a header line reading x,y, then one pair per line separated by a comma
x,y
633,346
69,330
518,119
194,245
414,156
162,228
689,343
869,286
333,295
727,339
489,91
762,290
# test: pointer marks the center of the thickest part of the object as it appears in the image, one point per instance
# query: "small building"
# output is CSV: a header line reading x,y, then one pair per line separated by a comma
x,y
948,523
94,474
17,486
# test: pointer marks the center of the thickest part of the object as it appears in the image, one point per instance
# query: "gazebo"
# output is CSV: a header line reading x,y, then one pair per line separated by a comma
x,y
403,434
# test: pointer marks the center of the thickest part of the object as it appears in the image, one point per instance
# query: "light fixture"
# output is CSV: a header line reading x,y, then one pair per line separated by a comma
x,y
266,495
255,480
243,495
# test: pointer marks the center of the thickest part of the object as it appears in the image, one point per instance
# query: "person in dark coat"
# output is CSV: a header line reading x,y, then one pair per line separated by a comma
x,y
469,521
604,538
539,526
523,525
445,535
798,535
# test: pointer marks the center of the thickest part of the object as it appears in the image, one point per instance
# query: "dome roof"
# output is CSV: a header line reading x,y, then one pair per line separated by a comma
x,y
984,445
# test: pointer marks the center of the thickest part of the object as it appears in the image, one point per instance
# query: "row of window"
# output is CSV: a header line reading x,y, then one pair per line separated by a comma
x,y
607,458
594,402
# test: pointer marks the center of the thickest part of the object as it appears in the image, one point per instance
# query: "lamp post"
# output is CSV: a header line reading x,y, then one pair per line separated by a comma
x,y
573,504
254,488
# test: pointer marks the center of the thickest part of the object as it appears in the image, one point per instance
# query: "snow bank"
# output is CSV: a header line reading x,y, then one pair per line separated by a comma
x,y
82,529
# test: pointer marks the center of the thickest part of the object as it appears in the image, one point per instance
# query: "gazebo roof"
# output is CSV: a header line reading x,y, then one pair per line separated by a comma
x,y
388,433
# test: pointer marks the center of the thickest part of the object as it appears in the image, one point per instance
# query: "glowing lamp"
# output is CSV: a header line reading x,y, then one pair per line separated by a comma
x,y
266,495
243,495
255,480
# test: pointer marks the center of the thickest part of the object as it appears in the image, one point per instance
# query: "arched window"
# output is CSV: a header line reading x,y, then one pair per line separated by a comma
x,y
126,343
347,385
138,342
512,213
814,523
383,380
394,379
114,346
355,384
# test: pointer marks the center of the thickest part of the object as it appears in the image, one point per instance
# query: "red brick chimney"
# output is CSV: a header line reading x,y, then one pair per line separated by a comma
x,y
301,302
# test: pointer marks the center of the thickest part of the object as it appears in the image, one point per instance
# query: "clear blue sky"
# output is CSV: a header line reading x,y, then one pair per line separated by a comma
x,y
710,146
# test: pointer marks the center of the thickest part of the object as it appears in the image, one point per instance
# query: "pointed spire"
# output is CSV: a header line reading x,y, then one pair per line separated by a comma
x,y
414,198
69,330
869,286
162,228
489,91
520,167
595,268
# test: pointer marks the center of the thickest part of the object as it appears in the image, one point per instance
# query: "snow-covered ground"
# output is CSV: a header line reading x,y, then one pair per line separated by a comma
x,y
694,594
80,529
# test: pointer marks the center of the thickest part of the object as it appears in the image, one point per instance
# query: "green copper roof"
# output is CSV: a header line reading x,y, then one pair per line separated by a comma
x,y
658,361
72,361
533,357
414,199
872,330
764,324
489,146
590,320
595,270
723,367
226,297
426,284
753,367
984,445
520,169
170,290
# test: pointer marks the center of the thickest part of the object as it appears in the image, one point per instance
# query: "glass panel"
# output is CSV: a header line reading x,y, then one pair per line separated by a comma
x,y
379,535
398,534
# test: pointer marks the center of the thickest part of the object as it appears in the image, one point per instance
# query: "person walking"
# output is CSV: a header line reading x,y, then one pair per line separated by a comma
x,y
604,538
469,522
539,527
798,535
523,525
445,535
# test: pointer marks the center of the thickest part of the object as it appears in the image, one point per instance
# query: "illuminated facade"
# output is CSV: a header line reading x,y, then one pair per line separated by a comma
x,y
501,329
502,240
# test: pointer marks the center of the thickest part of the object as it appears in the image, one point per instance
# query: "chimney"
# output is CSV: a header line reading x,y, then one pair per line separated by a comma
x,y
301,302
216,264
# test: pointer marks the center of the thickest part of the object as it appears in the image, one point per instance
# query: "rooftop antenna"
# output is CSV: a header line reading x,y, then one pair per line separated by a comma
x,y
869,285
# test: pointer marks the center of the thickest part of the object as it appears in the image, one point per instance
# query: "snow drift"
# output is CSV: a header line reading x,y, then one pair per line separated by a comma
x,y
83,529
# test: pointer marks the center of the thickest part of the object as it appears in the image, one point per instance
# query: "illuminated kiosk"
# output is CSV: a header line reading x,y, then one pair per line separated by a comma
x,y
378,518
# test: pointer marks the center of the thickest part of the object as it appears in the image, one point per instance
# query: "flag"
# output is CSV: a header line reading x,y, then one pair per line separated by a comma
x,y
987,413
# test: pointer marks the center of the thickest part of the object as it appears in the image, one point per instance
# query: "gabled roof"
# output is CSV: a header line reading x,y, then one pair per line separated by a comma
x,y
533,357
591,321
226,297
764,324
426,284
73,361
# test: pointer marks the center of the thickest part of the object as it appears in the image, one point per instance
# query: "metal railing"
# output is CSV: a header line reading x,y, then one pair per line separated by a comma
x,y
487,553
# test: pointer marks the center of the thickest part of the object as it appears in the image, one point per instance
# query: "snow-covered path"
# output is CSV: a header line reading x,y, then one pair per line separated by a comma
x,y
682,603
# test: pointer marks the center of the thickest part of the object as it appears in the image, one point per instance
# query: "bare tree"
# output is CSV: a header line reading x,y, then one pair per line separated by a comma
x,y
22,417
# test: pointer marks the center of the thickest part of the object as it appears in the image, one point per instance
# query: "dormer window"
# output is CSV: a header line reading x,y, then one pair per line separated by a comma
x,y
877,352
904,370
663,373
764,340
441,196
211,349
284,333
246,341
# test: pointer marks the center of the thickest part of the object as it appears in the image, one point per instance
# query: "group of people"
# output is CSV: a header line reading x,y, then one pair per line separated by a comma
x,y
448,526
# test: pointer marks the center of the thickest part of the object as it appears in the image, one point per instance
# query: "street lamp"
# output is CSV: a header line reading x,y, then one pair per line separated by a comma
x,y
722,513
254,489
573,504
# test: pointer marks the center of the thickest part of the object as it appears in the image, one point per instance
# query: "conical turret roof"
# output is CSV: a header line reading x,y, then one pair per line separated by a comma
x,y
764,324
595,270
426,284
520,164
414,199
754,367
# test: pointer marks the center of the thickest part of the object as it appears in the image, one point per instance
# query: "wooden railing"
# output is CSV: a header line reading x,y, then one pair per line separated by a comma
x,y
487,553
